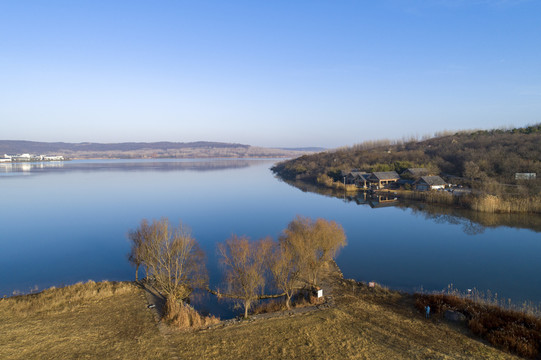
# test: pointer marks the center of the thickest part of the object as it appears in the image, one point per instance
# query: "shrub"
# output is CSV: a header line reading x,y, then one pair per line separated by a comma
x,y
269,307
509,330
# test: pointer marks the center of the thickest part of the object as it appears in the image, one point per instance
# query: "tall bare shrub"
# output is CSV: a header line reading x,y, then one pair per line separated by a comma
x,y
140,238
286,270
245,264
172,256
313,243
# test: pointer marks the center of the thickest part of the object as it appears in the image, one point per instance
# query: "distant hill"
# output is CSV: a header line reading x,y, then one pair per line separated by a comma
x,y
481,157
144,150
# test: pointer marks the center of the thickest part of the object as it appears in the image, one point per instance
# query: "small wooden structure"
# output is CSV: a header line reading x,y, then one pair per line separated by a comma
x,y
426,183
382,179
357,178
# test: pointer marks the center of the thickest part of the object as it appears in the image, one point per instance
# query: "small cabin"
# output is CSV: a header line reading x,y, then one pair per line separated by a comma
x,y
382,179
357,178
426,183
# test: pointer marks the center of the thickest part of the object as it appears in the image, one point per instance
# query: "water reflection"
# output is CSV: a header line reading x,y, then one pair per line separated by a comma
x,y
472,222
24,167
13,169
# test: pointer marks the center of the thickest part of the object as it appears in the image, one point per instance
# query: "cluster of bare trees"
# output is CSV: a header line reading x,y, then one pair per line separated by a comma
x,y
251,268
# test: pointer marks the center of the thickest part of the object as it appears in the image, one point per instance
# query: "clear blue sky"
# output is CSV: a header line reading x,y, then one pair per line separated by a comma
x,y
269,73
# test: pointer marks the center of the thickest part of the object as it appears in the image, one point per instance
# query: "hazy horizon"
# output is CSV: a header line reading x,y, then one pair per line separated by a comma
x,y
270,74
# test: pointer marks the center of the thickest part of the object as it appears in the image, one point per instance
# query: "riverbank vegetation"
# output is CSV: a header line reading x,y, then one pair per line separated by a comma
x,y
510,330
478,202
174,263
487,161
112,321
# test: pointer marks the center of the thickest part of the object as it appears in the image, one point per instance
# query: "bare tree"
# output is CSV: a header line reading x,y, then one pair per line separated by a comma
x,y
171,255
313,243
245,264
139,247
286,270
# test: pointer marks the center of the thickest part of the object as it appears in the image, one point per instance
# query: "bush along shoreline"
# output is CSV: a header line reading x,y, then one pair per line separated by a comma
x,y
510,330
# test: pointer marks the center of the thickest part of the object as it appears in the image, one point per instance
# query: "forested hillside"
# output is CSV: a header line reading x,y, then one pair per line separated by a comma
x,y
486,159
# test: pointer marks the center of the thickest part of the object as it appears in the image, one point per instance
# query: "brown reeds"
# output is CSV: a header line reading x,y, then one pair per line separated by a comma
x,y
496,204
185,317
482,203
506,329
269,307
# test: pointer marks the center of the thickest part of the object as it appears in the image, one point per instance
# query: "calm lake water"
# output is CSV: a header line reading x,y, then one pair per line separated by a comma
x,y
66,222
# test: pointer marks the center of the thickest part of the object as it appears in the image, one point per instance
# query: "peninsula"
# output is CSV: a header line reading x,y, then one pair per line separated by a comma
x,y
498,168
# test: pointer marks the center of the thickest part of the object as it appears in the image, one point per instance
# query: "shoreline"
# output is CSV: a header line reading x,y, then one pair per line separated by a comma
x,y
364,319
484,203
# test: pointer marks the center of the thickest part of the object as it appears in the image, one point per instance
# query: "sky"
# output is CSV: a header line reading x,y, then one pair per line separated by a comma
x,y
288,73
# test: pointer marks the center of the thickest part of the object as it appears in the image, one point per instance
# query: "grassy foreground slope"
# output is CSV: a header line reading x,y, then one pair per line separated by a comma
x,y
83,321
111,320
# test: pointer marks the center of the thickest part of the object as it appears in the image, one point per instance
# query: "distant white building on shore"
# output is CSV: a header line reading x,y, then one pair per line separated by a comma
x,y
30,157
53,157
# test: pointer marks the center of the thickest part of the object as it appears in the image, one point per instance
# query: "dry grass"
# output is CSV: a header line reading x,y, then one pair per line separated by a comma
x,y
94,321
482,203
495,204
365,323
431,197
185,317
507,329
64,299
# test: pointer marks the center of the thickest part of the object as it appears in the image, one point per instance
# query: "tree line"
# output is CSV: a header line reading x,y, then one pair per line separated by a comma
x,y
175,264
483,159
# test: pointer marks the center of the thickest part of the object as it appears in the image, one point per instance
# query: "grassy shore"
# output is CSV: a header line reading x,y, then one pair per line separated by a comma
x,y
112,321
83,321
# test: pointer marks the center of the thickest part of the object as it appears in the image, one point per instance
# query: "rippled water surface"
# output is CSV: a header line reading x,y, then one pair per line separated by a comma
x,y
66,222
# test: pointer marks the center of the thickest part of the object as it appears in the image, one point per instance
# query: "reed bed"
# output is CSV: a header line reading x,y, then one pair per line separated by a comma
x,y
513,328
432,197
185,317
495,204
482,203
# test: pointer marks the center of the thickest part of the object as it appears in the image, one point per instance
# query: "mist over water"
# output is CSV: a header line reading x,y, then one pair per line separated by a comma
x,y
66,222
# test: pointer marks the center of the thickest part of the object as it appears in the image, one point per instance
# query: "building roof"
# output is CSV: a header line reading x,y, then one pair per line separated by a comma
x,y
385,175
432,180
364,176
